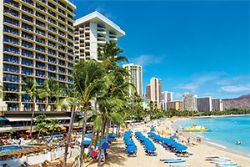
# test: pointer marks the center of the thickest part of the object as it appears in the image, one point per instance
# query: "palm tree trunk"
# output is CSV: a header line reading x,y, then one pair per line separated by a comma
x,y
83,136
102,135
32,117
107,130
69,136
97,138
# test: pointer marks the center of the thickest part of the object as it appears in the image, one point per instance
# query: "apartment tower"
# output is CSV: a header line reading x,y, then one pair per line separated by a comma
x,y
92,32
135,72
189,102
217,105
166,98
36,41
155,91
204,104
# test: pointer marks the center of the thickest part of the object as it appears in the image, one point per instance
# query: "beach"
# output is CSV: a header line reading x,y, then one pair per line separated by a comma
x,y
118,157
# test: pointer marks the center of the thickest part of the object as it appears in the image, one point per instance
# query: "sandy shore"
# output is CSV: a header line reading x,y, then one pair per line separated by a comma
x,y
118,157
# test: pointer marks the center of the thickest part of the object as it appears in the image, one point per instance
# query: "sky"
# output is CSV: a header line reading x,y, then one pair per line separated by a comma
x,y
200,47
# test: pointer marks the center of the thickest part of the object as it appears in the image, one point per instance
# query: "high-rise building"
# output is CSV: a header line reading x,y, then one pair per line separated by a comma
x,y
165,98
135,72
217,105
204,104
37,41
92,32
189,102
148,92
155,91
176,105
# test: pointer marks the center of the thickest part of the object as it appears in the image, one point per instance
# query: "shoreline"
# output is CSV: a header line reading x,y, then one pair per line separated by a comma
x,y
208,142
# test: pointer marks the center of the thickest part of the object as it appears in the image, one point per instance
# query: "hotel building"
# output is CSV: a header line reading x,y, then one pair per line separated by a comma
x,y
135,72
92,32
166,98
204,104
189,102
155,91
148,92
176,105
36,41
217,105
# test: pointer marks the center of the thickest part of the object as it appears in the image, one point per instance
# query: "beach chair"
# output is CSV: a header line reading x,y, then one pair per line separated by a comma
x,y
175,161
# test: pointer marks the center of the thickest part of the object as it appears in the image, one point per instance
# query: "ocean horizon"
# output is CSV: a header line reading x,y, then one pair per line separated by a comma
x,y
224,132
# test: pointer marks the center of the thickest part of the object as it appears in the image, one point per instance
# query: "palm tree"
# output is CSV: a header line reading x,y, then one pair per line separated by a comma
x,y
50,89
30,87
41,124
73,103
87,82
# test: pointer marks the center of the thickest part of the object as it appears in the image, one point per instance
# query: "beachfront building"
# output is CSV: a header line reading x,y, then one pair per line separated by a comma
x,y
189,102
135,72
92,32
166,97
155,91
204,104
217,105
175,105
37,41
148,92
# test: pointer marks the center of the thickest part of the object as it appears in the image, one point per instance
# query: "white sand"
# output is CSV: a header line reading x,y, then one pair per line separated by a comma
x,y
118,157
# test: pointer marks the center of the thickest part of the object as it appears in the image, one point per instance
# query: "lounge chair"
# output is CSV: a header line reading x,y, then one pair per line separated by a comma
x,y
175,161
177,165
168,159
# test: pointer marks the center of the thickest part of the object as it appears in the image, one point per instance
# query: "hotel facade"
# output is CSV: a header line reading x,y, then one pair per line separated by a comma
x,y
189,102
92,32
36,41
135,72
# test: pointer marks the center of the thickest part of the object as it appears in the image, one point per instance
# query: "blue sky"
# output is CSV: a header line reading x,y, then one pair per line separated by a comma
x,y
200,47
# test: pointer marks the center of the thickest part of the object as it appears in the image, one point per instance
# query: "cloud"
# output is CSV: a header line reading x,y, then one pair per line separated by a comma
x,y
198,80
236,88
146,60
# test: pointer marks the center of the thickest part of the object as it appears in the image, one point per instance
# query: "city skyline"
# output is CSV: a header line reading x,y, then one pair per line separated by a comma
x,y
218,34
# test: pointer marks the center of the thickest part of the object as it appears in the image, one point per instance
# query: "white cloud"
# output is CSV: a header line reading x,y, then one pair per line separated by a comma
x,y
145,60
236,88
198,80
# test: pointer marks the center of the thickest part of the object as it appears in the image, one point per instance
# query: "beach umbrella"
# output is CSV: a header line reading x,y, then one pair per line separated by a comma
x,y
105,145
131,149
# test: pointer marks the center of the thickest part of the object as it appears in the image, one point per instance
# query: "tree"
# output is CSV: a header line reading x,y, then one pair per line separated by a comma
x,y
41,124
54,125
73,103
30,87
87,82
51,90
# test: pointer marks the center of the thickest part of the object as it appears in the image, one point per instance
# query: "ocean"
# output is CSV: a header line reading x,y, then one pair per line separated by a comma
x,y
225,131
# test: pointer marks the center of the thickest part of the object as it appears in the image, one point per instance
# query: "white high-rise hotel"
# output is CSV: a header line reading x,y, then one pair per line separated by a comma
x,y
135,72
155,91
92,32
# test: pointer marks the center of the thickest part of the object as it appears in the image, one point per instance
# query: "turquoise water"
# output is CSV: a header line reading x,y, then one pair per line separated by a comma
x,y
11,148
225,131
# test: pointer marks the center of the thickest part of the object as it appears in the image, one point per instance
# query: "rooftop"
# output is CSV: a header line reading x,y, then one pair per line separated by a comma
x,y
99,18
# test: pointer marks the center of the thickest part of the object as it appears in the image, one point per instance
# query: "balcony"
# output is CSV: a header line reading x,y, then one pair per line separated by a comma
x,y
27,27
40,40
10,78
27,44
27,71
40,49
11,40
40,74
27,36
27,62
41,32
51,44
61,55
11,11
11,49
12,3
40,56
11,21
27,18
27,53
10,87
26,9
30,2
10,68
40,65
11,30
11,59
41,24
40,15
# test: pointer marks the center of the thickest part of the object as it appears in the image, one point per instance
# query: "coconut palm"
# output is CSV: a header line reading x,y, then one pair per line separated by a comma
x,y
87,82
50,89
41,124
30,87
72,103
